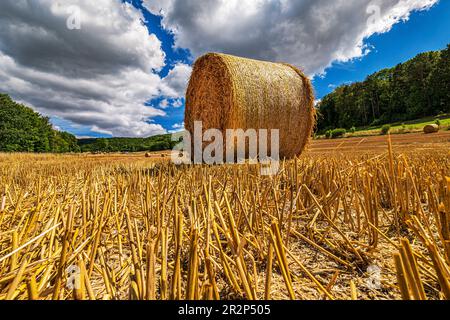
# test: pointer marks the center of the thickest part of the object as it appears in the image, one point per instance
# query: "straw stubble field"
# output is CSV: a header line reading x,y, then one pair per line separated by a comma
x,y
343,221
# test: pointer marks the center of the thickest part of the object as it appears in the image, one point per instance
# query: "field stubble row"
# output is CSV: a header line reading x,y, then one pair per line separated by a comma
x,y
137,228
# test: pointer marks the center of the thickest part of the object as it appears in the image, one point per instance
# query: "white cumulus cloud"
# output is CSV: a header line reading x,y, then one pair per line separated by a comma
x,y
308,33
175,83
100,75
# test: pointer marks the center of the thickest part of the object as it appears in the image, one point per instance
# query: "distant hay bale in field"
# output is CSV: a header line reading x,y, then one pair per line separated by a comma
x,y
431,128
147,155
228,92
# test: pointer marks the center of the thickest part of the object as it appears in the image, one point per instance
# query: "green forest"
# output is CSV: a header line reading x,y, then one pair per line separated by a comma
x,y
415,89
23,130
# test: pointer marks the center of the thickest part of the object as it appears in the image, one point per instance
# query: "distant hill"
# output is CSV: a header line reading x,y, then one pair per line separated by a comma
x,y
23,130
412,90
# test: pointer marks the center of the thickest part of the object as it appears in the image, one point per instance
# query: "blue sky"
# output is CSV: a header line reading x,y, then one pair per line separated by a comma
x,y
124,71
425,31
174,116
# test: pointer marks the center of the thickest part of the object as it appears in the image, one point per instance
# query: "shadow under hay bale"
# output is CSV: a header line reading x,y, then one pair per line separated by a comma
x,y
228,92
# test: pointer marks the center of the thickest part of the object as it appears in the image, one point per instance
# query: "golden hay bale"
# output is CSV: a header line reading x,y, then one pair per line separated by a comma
x,y
228,92
147,155
431,128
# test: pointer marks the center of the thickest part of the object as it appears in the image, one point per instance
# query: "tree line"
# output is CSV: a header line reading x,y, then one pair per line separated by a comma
x,y
24,130
412,90
155,143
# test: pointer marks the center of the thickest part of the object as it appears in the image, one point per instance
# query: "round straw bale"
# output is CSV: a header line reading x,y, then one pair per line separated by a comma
x,y
431,128
228,92
147,155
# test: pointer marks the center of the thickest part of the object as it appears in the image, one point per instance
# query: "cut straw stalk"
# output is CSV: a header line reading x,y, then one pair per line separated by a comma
x,y
281,257
401,279
441,271
268,286
13,286
79,288
151,271
353,290
163,280
33,293
311,276
192,291
176,279
63,258
87,282
235,244
324,251
28,243
408,275
15,244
